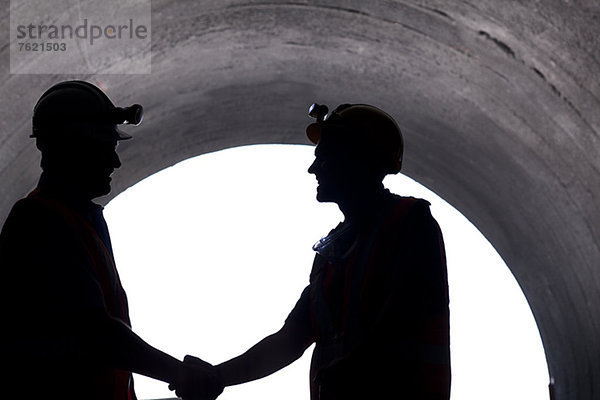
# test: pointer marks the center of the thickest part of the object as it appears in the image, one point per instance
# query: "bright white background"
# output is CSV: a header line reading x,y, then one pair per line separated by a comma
x,y
215,251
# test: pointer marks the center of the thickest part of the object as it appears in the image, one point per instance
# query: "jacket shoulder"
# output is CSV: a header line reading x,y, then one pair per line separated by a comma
x,y
408,205
33,216
409,201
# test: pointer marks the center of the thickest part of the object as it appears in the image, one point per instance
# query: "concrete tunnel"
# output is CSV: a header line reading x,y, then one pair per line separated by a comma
x,y
498,101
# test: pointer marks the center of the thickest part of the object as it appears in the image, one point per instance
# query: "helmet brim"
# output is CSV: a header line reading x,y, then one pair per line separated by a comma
x,y
121,135
314,132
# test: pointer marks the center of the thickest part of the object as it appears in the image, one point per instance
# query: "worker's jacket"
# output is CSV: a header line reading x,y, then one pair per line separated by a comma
x,y
377,308
59,281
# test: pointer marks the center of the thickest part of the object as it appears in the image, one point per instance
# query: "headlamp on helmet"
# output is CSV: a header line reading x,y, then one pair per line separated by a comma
x,y
79,108
367,128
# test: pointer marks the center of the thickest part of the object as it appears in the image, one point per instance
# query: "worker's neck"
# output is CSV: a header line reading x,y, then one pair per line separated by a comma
x,y
63,187
363,204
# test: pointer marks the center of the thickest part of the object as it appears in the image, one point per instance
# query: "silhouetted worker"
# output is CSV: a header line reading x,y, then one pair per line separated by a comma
x,y
377,302
64,311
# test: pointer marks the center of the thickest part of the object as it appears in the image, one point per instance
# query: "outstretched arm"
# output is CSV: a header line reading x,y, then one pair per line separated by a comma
x,y
126,350
275,351
267,356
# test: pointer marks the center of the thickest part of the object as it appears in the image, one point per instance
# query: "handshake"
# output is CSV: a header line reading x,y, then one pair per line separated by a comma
x,y
197,380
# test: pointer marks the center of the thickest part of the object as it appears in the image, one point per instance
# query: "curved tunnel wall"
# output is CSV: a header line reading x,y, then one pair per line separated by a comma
x,y
498,102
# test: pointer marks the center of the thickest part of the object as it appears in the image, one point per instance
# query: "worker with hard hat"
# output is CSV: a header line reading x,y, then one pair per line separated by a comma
x,y
376,306
65,312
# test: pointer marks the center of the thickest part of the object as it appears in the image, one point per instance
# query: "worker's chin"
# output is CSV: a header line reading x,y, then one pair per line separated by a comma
x,y
324,196
100,190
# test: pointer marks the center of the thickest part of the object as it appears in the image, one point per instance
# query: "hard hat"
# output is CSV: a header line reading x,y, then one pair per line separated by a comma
x,y
366,127
81,109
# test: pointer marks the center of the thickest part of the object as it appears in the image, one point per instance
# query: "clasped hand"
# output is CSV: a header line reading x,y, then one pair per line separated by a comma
x,y
197,380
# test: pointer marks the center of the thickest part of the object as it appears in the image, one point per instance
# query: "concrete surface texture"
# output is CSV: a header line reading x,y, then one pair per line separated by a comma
x,y
498,101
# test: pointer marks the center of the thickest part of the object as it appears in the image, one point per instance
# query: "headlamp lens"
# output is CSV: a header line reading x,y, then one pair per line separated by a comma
x,y
318,111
